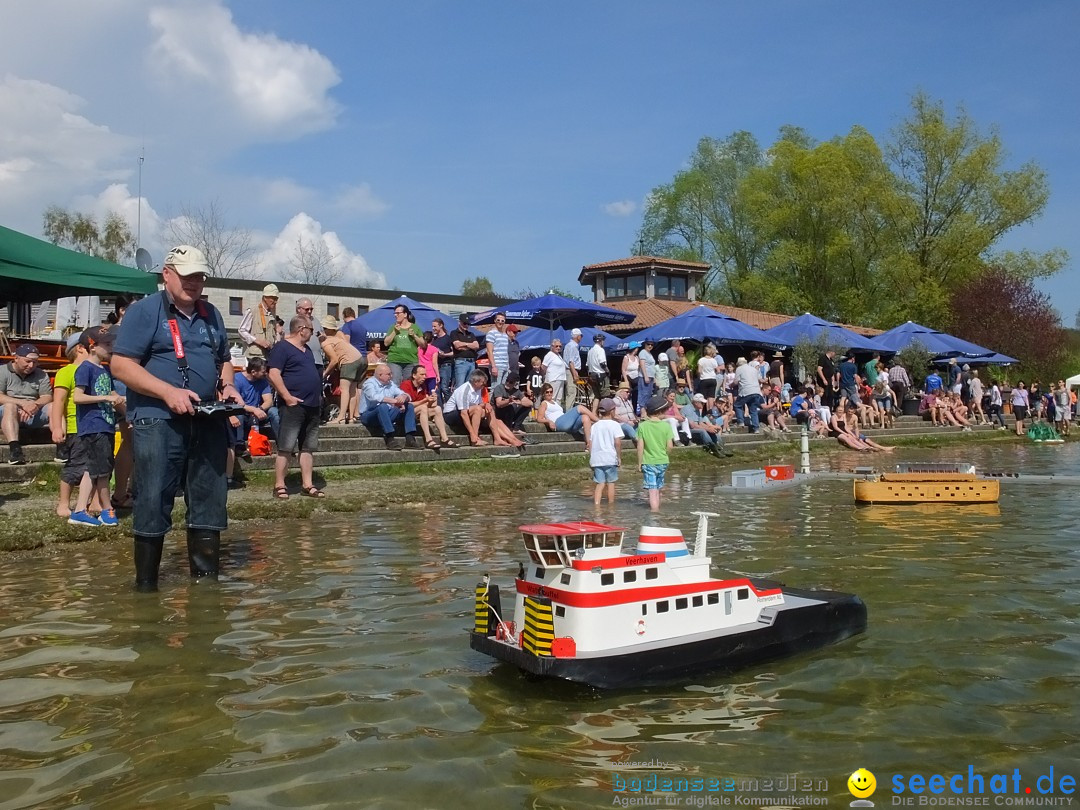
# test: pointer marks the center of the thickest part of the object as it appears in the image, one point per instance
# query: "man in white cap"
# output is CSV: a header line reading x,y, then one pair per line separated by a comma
x,y
572,357
260,328
596,365
172,352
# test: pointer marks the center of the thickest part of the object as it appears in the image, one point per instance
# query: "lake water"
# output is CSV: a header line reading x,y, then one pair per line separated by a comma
x,y
332,669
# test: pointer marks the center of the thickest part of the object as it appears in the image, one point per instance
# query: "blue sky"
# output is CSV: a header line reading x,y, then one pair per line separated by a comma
x,y
428,142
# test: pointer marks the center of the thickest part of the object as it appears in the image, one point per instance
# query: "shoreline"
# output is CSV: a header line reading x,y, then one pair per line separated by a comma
x,y
31,526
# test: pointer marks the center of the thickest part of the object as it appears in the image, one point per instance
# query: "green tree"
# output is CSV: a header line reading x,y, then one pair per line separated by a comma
x,y
701,217
479,287
963,198
112,241
825,210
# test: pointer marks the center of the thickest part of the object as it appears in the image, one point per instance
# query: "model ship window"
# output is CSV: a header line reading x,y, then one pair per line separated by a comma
x,y
698,601
644,609
540,573
661,607
744,593
681,604
629,576
651,573
560,610
565,579
607,579
714,599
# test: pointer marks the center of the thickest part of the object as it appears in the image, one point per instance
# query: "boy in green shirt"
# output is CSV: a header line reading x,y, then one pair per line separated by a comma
x,y
653,442
62,422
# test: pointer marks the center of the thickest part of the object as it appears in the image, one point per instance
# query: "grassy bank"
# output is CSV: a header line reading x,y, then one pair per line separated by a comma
x,y
30,522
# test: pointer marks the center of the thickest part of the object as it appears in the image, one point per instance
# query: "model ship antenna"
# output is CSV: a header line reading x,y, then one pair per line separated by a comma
x,y
701,541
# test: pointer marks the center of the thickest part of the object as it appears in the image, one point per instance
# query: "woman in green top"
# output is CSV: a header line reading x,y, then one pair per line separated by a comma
x,y
403,342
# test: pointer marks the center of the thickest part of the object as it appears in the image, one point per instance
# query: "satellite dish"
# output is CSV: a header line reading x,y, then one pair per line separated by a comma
x,y
143,260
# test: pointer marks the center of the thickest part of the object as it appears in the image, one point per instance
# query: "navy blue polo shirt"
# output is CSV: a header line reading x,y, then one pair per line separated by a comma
x,y
144,337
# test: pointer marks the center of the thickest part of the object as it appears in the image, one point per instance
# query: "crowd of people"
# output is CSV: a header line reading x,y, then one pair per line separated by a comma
x,y
151,371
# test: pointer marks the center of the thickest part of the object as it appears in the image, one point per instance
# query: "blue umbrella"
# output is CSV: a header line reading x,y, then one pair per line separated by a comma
x,y
377,322
536,338
940,344
810,328
552,311
702,324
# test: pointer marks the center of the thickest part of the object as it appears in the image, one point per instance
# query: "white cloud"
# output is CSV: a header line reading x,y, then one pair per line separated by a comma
x,y
279,88
620,208
48,150
360,200
276,260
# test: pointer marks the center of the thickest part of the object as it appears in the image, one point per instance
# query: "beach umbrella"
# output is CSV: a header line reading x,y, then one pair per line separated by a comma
x,y
810,328
941,344
552,311
536,338
377,322
703,324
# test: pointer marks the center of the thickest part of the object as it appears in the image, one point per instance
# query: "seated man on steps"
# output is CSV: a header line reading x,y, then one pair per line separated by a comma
x,y
25,394
384,406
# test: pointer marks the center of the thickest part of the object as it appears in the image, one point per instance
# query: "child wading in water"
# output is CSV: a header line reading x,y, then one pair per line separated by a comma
x,y
653,442
604,445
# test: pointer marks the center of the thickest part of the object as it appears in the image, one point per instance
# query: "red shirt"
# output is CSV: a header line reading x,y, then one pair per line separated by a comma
x,y
410,390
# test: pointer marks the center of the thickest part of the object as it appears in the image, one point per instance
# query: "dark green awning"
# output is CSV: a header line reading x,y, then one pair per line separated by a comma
x,y
34,270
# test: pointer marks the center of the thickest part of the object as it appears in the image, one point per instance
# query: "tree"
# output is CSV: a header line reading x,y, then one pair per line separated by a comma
x,y
312,263
824,210
1007,314
916,360
479,287
964,200
701,217
229,251
112,241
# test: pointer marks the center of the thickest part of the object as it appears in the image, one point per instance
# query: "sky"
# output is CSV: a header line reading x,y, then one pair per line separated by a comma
x,y
430,142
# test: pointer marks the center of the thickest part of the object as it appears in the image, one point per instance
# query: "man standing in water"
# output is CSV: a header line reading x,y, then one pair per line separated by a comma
x,y
172,352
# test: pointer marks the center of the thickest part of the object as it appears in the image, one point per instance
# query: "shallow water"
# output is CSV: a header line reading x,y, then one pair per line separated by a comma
x,y
332,668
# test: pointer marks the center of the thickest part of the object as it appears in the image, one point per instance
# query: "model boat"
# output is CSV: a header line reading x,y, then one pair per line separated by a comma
x,y
928,483
586,611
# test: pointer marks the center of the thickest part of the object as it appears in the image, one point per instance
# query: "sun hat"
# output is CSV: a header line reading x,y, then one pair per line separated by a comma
x,y
186,260
329,322
271,291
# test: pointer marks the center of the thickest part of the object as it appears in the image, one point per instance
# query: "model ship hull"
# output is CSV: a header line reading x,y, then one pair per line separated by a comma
x,y
809,620
927,488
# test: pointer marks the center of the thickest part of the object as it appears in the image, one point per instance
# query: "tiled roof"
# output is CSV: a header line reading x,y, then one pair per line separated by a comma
x,y
651,311
634,261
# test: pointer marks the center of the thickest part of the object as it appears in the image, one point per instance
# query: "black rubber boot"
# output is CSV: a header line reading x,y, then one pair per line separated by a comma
x,y
203,548
147,562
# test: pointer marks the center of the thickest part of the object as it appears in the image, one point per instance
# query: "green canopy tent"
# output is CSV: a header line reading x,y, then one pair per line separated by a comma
x,y
34,270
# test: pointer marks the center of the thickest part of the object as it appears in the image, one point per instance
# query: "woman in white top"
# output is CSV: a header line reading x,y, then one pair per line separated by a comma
x,y
555,369
1020,404
631,370
996,405
706,371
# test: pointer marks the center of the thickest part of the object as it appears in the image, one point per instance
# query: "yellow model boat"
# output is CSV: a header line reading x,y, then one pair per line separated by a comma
x,y
927,485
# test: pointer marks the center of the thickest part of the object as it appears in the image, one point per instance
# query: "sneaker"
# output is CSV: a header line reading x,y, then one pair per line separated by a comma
x,y
62,453
83,519
108,518
15,454
967,429
685,440
511,453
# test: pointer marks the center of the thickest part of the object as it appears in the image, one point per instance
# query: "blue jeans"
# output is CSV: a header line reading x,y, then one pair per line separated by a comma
x,y
753,403
384,415
446,381
628,431
702,437
644,394
462,370
570,422
401,371
164,451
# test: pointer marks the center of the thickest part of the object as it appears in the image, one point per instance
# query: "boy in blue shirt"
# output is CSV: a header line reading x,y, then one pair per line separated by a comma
x,y
95,419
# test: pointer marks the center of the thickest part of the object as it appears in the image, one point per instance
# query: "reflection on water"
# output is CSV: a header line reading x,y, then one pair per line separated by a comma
x,y
332,668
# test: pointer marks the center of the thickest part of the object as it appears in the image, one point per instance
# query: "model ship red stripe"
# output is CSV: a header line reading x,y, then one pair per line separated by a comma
x,y
627,595
619,562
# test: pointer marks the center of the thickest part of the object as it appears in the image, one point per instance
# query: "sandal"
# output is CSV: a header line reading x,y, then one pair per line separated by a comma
x,y
281,493
433,445
448,443
312,492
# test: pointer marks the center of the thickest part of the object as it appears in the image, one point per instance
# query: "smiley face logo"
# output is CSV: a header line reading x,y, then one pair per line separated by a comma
x,y
862,784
